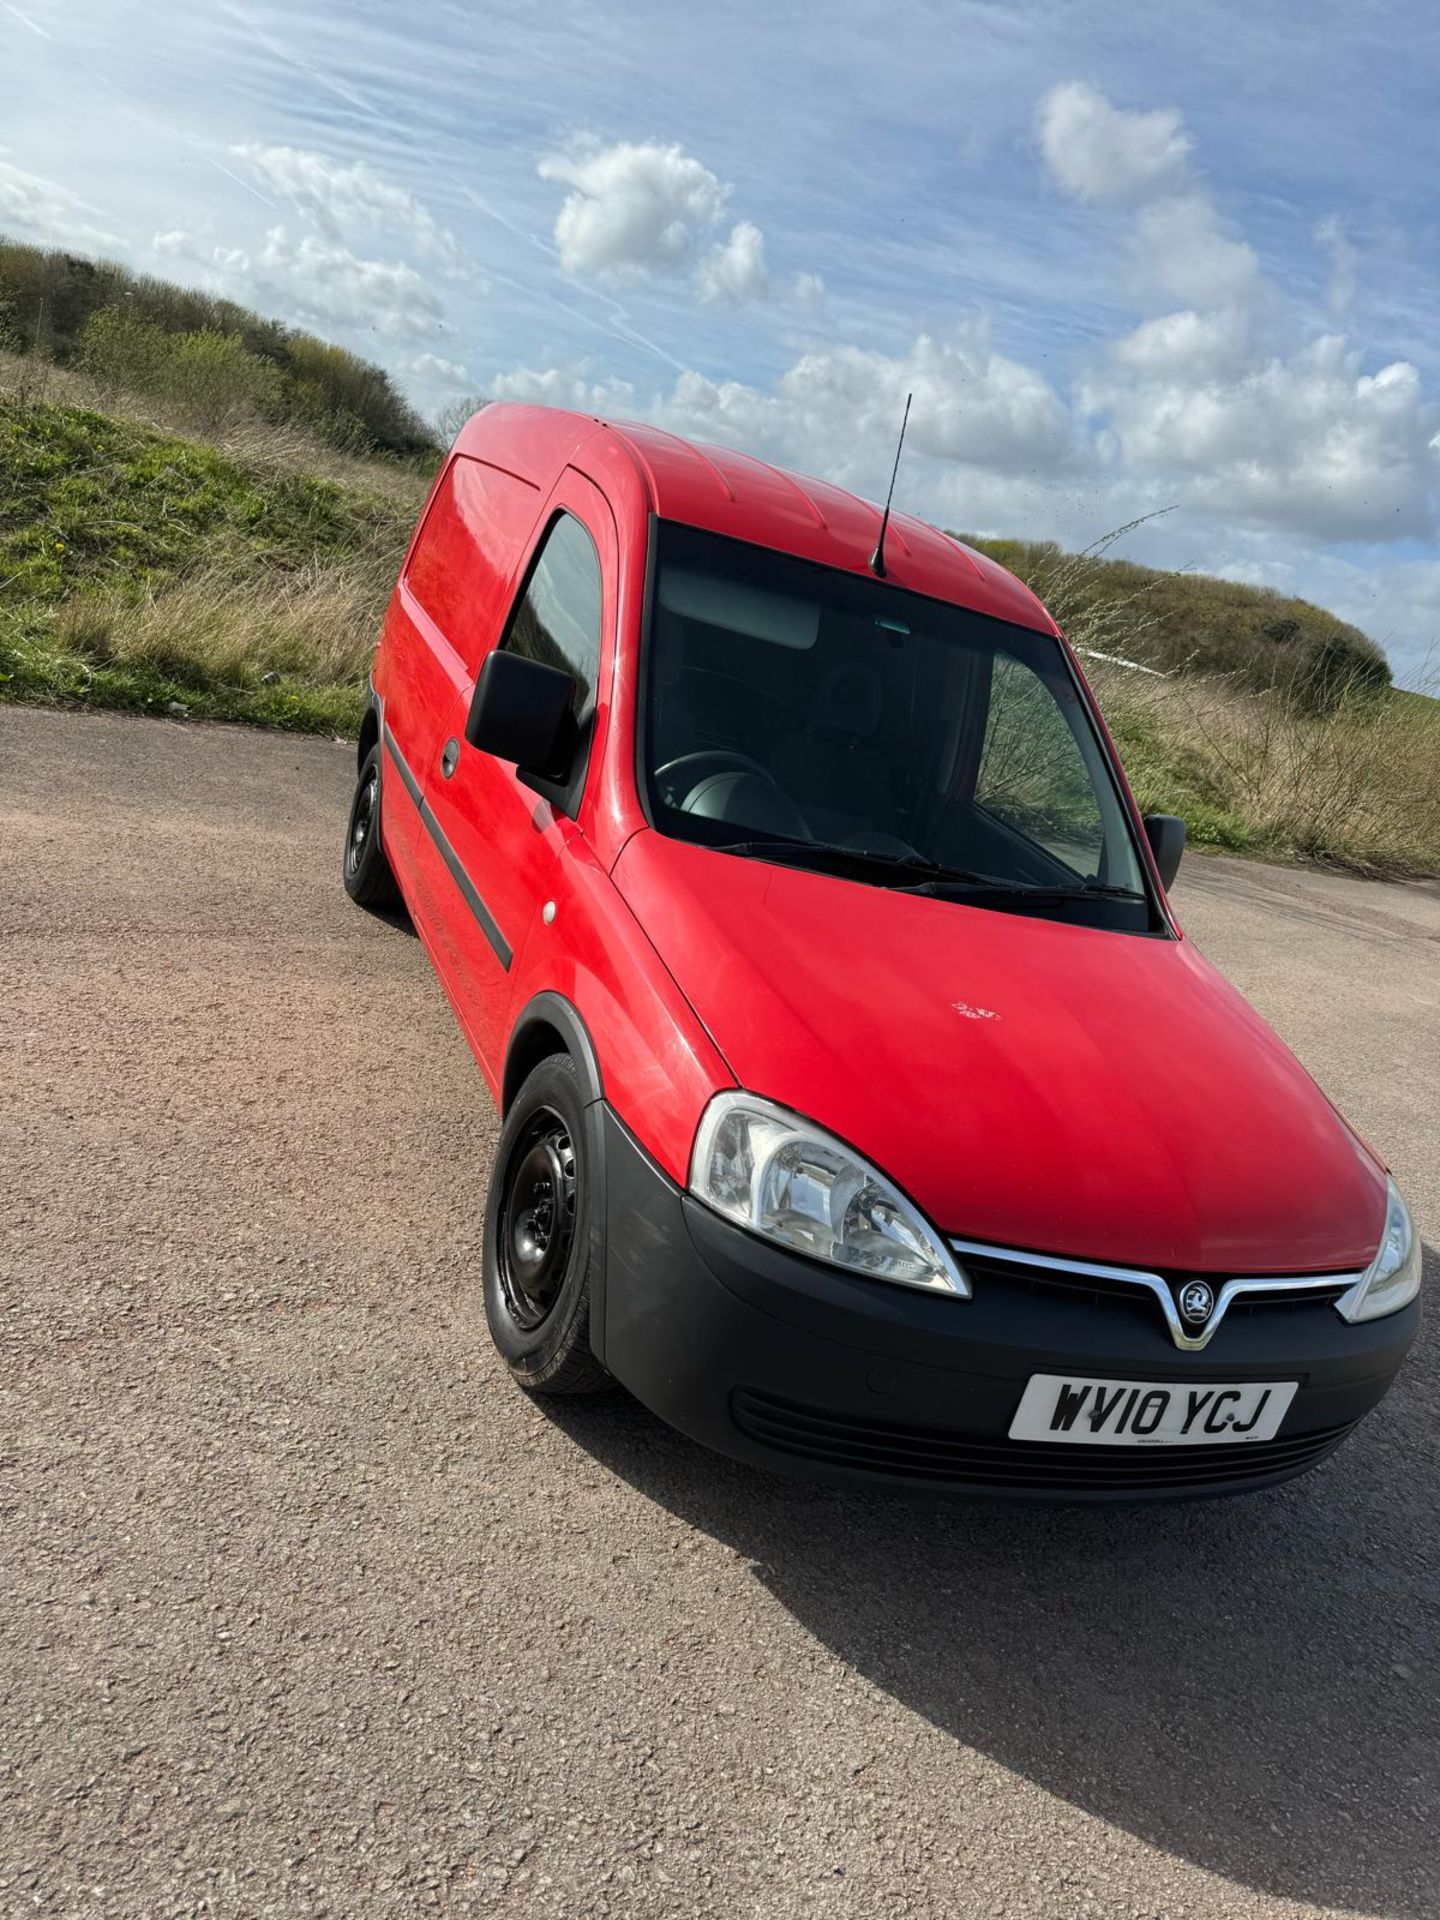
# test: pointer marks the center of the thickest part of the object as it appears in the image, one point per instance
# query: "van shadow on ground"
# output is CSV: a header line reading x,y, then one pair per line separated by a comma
x,y
1250,1684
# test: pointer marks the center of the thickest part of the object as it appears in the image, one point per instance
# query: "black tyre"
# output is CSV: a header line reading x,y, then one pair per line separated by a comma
x,y
368,879
537,1237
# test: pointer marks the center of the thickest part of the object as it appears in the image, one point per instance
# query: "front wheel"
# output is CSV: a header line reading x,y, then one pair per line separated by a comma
x,y
365,870
537,1237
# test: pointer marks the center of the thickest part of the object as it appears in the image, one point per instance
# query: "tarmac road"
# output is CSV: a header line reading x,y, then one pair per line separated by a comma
x,y
307,1610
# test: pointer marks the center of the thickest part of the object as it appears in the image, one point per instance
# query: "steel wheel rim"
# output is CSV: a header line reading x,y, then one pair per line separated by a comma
x,y
537,1220
362,822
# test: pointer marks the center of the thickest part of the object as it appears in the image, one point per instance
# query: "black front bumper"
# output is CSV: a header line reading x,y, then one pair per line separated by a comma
x,y
798,1367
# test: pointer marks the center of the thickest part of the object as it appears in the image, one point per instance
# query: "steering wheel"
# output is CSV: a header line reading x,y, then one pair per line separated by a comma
x,y
721,783
699,766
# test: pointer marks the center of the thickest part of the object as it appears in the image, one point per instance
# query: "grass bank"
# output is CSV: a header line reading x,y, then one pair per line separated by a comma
x,y
143,571
1257,773
1267,723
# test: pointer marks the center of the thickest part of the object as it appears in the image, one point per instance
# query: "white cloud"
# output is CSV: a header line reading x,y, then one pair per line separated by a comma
x,y
632,207
972,405
836,411
1099,152
1183,250
1189,345
25,20
1261,453
44,211
349,201
1308,442
319,283
208,264
808,294
436,370
1222,403
319,279
735,272
568,387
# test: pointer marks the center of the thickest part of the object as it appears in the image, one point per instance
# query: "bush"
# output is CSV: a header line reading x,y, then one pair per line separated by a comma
x,y
121,350
213,376
49,300
207,377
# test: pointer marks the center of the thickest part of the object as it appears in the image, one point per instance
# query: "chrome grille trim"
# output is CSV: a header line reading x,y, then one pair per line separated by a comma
x,y
1230,1291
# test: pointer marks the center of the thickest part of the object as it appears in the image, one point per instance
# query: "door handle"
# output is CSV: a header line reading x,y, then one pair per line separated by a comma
x,y
450,758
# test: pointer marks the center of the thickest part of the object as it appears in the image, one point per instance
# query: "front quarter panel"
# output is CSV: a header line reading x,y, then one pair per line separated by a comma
x,y
657,1064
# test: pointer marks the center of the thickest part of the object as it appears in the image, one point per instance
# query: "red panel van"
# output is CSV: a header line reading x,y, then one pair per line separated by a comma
x,y
866,1112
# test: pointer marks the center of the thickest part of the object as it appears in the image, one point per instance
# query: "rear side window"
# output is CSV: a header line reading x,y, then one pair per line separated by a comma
x,y
469,547
557,619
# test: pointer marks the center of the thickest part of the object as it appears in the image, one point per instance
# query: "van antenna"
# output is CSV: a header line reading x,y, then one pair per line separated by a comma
x,y
877,559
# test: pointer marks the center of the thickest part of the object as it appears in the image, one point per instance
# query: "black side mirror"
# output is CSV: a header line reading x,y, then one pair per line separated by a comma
x,y
1166,834
522,711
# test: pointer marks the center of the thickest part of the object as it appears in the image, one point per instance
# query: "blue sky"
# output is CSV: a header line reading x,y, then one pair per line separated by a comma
x,y
1182,257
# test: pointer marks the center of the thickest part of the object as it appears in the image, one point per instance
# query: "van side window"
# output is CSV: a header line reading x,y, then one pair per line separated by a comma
x,y
557,619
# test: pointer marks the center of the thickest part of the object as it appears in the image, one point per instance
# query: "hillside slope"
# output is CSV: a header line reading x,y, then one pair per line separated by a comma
x,y
149,572
1197,624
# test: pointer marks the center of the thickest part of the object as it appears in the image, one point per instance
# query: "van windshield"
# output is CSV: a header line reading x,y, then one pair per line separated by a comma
x,y
809,716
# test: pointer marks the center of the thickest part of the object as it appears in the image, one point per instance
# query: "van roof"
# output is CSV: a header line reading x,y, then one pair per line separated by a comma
x,y
734,493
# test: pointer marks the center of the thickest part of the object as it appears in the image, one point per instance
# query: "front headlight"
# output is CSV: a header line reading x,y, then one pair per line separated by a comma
x,y
780,1176
1392,1279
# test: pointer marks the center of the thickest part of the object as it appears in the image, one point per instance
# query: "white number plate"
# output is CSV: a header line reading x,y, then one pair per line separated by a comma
x,y
1143,1413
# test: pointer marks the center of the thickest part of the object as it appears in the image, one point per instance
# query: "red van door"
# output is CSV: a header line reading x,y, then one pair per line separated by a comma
x,y
503,839
444,616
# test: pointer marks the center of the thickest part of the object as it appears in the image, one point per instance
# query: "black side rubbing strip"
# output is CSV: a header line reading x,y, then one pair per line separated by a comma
x,y
412,785
463,881
484,919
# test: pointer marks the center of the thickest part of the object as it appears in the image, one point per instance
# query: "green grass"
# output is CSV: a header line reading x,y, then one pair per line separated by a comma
x,y
147,572
1356,786
1168,775
34,670
88,501
1423,708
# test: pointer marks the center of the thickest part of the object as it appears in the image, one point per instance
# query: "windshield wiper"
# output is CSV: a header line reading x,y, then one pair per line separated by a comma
x,y
895,868
983,886
913,873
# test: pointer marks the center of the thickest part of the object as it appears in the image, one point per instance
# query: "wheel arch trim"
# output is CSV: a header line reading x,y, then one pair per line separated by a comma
x,y
371,723
552,1010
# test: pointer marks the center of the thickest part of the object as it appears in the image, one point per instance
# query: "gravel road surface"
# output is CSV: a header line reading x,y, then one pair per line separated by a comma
x,y
306,1610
